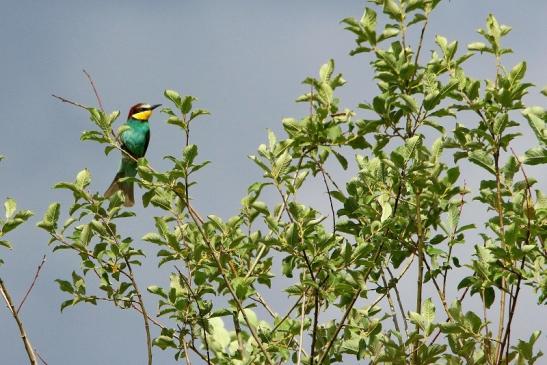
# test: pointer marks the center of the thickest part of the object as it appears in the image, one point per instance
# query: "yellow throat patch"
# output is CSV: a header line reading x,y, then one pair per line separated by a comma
x,y
144,115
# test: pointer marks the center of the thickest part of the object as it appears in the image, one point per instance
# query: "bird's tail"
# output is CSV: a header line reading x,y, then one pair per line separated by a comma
x,y
126,187
126,170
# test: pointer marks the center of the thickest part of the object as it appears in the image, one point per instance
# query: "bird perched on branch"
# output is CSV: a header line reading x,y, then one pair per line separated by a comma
x,y
134,139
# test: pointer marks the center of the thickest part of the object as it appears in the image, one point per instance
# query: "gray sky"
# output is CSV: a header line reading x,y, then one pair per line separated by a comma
x,y
244,60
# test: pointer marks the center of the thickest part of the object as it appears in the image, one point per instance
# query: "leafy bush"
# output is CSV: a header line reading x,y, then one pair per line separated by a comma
x,y
399,215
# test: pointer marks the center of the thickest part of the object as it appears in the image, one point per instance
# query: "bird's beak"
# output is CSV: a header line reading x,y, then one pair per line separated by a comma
x,y
154,106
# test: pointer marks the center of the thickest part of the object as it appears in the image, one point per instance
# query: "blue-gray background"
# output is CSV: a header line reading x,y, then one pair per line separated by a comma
x,y
243,59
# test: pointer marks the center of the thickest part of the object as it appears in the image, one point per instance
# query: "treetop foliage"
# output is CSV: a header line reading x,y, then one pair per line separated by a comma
x,y
400,214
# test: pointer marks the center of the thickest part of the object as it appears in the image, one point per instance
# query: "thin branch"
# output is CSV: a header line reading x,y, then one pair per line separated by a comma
x,y
259,299
421,258
40,357
399,301
187,359
229,284
143,311
201,316
452,235
499,208
302,317
350,306
237,328
131,277
24,337
390,302
65,100
255,262
420,43
321,168
94,89
315,324
513,303
162,326
32,284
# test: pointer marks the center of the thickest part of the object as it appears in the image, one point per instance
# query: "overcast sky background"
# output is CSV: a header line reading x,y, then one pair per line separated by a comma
x,y
244,60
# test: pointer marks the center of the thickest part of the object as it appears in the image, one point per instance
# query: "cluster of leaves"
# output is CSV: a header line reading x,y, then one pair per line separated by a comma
x,y
401,210
13,218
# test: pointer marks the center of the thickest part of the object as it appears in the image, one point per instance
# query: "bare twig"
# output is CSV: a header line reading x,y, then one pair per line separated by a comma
x,y
22,332
391,305
65,100
399,301
420,43
255,262
40,357
259,299
32,284
187,359
94,89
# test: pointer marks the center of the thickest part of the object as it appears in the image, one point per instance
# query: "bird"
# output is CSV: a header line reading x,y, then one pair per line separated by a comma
x,y
134,139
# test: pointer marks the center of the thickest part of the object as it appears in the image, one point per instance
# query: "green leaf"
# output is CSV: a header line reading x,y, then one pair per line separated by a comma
x,y
410,102
537,118
174,97
220,337
85,235
153,237
536,156
83,179
410,147
281,164
393,9
65,286
10,206
483,159
325,72
51,216
341,159
489,295
442,42
517,73
386,207
428,315
477,46
189,153
6,244
198,112
187,104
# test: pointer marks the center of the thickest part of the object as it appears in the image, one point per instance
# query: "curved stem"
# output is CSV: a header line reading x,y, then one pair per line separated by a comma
x,y
24,337
421,258
144,313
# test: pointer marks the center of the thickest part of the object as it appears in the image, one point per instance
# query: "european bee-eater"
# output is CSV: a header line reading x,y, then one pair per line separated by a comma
x,y
134,142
